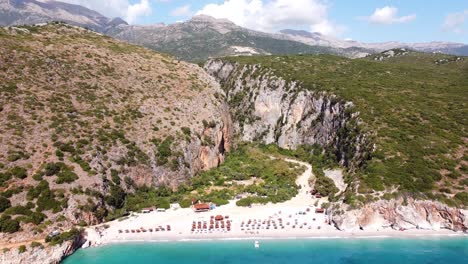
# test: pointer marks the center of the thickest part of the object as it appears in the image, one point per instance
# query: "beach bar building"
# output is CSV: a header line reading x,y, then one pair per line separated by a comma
x,y
201,207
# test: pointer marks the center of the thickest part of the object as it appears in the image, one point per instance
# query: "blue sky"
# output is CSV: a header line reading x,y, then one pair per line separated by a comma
x,y
362,20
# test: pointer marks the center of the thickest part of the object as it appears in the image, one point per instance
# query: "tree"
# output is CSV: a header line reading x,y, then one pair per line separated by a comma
x,y
116,197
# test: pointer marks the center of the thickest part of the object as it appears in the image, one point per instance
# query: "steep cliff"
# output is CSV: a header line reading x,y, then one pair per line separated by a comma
x,y
269,109
401,214
42,255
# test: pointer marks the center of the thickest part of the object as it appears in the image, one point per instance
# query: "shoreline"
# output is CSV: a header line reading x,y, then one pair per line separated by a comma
x,y
425,234
293,219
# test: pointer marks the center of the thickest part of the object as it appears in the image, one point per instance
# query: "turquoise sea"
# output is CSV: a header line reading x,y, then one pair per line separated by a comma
x,y
377,251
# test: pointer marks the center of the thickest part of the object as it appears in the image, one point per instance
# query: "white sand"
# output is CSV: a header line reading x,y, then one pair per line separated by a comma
x,y
308,225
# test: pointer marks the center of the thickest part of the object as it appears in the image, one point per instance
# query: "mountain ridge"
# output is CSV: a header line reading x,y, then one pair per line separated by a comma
x,y
202,36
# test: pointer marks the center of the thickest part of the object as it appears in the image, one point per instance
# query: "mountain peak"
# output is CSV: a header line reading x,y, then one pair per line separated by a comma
x,y
210,19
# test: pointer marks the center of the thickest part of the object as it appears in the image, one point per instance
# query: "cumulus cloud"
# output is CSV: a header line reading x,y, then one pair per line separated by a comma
x,y
117,8
388,15
455,22
182,11
273,15
143,8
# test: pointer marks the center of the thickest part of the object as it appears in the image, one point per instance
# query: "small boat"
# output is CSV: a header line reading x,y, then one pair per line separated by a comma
x,y
256,244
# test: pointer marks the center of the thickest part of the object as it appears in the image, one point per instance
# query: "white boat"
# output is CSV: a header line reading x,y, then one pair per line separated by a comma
x,y
256,244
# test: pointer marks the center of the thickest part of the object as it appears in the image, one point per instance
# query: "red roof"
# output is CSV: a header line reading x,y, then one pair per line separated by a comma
x,y
219,217
202,206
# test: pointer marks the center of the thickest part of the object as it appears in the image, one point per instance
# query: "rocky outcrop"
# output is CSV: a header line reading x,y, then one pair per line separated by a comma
x,y
402,215
269,109
39,255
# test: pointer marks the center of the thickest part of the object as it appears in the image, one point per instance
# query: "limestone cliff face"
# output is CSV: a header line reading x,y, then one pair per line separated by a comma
x,y
397,214
269,109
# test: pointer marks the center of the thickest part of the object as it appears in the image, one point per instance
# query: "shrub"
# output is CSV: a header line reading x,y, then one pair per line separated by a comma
x,y
116,198
36,244
325,186
8,225
4,177
19,172
59,154
4,204
185,203
65,236
66,176
51,169
21,249
115,176
463,197
186,131
164,150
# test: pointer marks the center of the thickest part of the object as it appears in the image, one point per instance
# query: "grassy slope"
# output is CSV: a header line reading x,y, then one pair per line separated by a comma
x,y
416,109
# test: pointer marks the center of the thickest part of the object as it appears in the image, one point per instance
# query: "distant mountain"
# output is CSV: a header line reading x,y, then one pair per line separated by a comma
x,y
313,38
22,12
203,37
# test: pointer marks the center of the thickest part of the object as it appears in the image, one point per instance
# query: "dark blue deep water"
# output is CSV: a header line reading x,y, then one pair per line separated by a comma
x,y
378,251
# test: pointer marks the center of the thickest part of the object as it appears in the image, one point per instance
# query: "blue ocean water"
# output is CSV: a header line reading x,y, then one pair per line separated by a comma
x,y
377,251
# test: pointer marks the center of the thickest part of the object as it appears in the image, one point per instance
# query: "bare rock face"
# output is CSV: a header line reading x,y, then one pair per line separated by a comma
x,y
48,255
398,215
272,110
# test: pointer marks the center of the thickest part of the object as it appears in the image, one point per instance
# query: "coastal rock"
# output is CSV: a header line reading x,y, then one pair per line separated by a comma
x,y
39,255
401,215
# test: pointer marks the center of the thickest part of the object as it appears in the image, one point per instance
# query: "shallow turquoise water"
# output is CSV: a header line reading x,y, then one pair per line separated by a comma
x,y
378,251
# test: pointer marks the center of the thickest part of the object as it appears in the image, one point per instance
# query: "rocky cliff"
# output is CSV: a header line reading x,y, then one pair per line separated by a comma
x,y
103,118
401,214
270,109
40,255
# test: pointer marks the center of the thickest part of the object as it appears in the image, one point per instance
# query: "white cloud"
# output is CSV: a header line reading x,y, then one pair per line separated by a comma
x,y
182,11
388,15
143,8
273,15
456,21
117,8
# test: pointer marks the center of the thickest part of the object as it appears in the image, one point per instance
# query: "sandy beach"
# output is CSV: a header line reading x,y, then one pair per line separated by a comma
x,y
295,218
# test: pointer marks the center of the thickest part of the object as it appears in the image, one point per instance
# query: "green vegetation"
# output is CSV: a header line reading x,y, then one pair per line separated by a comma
x,y
18,172
315,155
35,244
164,151
4,204
266,180
21,249
415,110
64,236
8,225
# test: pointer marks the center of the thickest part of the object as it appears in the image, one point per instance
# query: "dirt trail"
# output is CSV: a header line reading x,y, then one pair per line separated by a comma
x,y
16,245
302,197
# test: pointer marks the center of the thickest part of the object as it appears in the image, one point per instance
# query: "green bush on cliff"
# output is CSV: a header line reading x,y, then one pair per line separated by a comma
x,y
4,204
21,249
9,225
462,197
64,236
